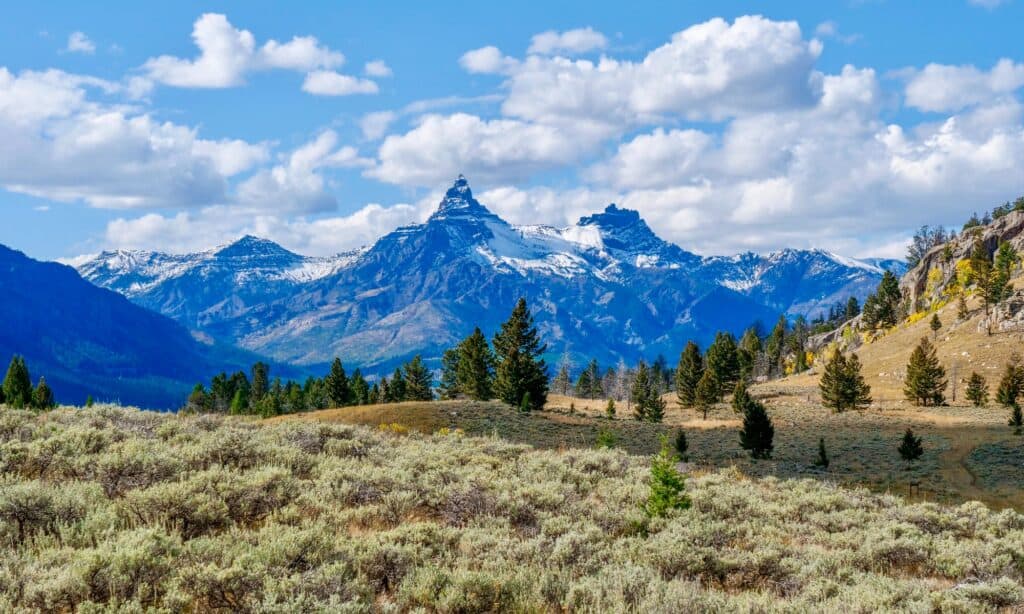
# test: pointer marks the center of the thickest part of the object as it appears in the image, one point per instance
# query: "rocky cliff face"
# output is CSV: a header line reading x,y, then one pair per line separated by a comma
x,y
940,262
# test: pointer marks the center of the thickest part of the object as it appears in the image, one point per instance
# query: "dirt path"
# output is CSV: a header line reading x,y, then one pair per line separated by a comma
x,y
955,470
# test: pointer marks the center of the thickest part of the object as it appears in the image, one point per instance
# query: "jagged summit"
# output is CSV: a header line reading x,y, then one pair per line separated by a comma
x,y
459,201
250,245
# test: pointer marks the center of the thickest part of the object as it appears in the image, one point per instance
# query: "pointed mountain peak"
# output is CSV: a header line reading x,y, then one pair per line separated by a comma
x,y
459,201
250,245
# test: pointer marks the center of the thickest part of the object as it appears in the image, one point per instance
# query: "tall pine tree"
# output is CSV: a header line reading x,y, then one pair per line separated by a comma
x,y
448,388
520,369
337,384
926,379
475,370
418,381
648,405
758,432
722,359
18,384
688,372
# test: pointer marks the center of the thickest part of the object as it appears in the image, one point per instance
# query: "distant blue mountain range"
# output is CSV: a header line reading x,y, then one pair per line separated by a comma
x,y
606,287
88,340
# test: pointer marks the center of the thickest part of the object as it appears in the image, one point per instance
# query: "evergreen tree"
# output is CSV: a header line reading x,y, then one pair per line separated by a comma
x,y
1016,419
360,389
740,396
709,391
18,384
667,484
475,371
831,382
373,396
681,445
775,345
722,360
935,325
589,384
520,368
197,400
448,388
89,401
758,431
647,403
910,447
852,309
418,381
337,384
239,406
609,409
882,309
583,384
397,386
926,379
260,382
1012,383
961,308
691,367
42,396
977,389
856,392
822,460
749,351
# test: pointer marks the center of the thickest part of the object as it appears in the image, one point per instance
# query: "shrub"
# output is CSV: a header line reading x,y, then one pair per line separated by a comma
x,y
667,484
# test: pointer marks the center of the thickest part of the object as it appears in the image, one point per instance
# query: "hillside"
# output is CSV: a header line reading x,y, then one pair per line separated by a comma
x,y
606,287
90,341
112,508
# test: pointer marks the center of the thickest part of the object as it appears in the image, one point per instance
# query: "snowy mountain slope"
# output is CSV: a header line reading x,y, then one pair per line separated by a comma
x,y
605,287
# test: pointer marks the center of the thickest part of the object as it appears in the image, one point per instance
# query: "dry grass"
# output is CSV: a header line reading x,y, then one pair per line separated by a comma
x,y
117,510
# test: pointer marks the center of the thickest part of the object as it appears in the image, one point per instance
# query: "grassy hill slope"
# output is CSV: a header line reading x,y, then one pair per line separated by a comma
x,y
132,510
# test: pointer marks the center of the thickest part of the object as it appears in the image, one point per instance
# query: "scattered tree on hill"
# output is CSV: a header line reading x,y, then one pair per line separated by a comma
x,y
475,367
1012,383
609,409
42,396
758,432
709,391
197,400
977,389
842,385
923,241
396,392
822,460
17,384
360,389
775,345
852,308
740,396
588,386
667,484
260,382
882,309
1016,419
926,379
961,308
910,447
935,325
89,401
648,406
691,367
338,392
749,351
992,276
521,372
418,381
448,387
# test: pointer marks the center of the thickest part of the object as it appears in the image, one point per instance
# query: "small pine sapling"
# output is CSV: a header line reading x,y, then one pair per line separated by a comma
x,y
910,448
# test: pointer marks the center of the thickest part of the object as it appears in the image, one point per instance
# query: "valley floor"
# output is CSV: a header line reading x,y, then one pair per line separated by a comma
x,y
970,453
108,509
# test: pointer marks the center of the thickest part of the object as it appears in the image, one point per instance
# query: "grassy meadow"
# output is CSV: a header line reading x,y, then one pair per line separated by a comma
x,y
109,509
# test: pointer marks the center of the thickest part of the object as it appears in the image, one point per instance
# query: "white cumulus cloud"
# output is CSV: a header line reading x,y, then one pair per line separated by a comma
x,y
580,40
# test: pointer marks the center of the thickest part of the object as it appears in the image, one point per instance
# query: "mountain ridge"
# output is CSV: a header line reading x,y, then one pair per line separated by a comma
x,y
608,282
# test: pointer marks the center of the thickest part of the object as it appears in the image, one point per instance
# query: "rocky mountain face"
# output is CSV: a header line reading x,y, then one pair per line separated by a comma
x,y
606,287
88,340
940,263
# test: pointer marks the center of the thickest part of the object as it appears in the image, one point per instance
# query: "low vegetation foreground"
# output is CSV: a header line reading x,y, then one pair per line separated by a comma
x,y
106,508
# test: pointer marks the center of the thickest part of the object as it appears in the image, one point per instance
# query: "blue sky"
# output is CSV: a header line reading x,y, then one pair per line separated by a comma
x,y
729,125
